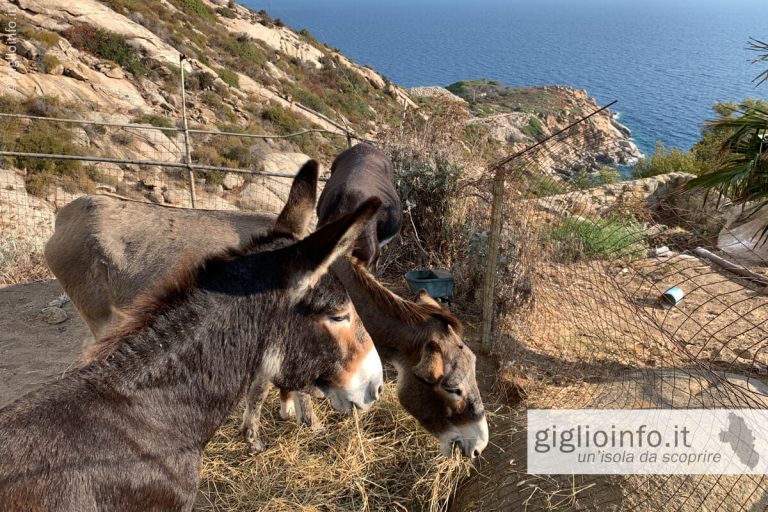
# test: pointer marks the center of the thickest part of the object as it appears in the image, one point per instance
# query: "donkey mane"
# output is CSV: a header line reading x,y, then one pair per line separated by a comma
x,y
168,291
412,313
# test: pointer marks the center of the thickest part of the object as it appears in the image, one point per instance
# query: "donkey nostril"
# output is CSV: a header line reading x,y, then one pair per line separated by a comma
x,y
379,391
475,454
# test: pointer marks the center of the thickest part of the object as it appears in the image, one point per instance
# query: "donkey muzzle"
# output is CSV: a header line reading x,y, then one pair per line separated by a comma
x,y
362,389
471,438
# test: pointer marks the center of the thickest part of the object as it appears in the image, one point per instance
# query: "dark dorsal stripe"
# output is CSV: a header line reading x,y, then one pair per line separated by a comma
x,y
171,289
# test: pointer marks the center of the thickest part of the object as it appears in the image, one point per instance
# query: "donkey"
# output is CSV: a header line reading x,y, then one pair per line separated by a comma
x,y
105,251
361,172
126,431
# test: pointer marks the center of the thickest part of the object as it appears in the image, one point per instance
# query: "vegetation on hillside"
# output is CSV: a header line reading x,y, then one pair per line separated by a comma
x,y
198,31
107,45
488,97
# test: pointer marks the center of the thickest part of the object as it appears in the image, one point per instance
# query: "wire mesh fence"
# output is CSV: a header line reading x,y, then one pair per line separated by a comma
x,y
576,311
573,306
47,162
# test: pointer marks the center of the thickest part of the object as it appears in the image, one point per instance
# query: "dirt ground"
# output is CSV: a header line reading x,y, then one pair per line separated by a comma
x,y
32,351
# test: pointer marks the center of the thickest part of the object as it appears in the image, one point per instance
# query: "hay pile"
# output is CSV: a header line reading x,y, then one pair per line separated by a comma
x,y
381,460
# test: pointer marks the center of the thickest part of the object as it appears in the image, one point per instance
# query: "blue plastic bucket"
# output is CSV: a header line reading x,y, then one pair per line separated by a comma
x,y
437,282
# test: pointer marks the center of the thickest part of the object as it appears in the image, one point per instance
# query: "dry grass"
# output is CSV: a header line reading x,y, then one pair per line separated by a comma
x,y
22,261
381,460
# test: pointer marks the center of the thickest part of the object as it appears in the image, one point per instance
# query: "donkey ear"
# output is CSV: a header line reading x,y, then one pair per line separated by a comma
x,y
430,368
423,298
298,209
316,253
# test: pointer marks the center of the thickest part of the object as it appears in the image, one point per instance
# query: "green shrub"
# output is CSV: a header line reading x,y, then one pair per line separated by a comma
x,y
284,121
221,109
311,100
49,62
428,190
157,121
230,77
214,177
244,49
44,37
605,175
534,128
226,12
106,45
664,161
537,184
195,7
199,81
614,237
308,37
43,173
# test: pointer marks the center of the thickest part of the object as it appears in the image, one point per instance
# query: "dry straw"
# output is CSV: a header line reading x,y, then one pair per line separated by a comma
x,y
381,460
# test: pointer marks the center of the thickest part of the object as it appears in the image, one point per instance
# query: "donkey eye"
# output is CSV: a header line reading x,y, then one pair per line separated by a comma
x,y
339,318
453,391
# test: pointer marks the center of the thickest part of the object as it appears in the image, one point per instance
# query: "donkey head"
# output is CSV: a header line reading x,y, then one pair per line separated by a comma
x,y
325,344
439,389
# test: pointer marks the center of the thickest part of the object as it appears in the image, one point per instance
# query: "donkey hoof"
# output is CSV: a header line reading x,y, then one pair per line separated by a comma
x,y
287,409
316,425
256,446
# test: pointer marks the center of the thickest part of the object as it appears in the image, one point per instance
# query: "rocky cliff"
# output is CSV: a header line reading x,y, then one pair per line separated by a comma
x,y
119,59
520,117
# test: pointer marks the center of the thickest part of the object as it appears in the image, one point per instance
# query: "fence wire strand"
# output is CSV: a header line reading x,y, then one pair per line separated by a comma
x,y
577,322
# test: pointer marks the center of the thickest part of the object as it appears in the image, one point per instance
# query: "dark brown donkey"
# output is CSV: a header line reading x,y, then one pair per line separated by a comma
x,y
357,174
126,431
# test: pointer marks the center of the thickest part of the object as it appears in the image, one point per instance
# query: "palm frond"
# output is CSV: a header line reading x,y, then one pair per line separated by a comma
x,y
762,48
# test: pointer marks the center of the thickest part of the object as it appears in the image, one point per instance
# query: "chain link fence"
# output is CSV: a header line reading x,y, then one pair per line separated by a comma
x,y
48,162
575,310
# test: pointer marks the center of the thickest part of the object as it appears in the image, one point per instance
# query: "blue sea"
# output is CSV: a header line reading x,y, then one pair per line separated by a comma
x,y
666,61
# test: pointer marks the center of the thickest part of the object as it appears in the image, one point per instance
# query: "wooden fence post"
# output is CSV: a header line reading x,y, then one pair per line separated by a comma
x,y
185,126
494,241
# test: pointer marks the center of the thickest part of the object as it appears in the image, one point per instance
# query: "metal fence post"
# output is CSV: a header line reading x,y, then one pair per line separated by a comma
x,y
185,126
494,241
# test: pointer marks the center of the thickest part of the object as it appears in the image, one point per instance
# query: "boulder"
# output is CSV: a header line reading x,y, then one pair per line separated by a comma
x,y
155,196
255,196
76,72
172,197
283,162
152,179
233,180
115,72
26,49
20,67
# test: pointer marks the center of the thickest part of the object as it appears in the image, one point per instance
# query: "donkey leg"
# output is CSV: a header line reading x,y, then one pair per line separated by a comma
x,y
255,398
287,408
305,413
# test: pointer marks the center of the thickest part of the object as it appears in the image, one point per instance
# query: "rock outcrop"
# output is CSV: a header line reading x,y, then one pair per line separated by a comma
x,y
521,117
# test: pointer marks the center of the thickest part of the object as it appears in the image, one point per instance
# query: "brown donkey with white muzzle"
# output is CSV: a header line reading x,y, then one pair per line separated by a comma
x,y
126,431
106,251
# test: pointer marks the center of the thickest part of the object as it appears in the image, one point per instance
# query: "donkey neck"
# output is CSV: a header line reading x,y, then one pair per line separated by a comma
x,y
183,373
396,326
